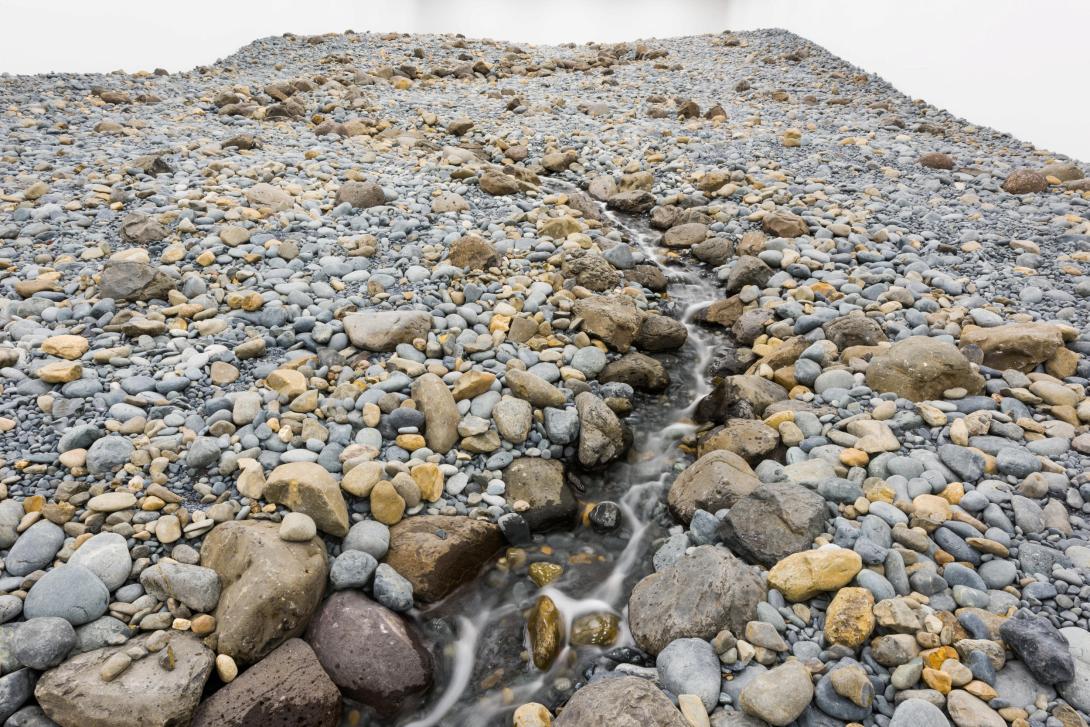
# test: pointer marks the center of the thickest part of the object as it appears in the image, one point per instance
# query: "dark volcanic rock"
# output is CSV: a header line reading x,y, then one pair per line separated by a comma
x,y
374,655
288,688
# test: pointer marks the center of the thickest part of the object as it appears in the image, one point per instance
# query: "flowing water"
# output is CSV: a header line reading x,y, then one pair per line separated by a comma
x,y
482,629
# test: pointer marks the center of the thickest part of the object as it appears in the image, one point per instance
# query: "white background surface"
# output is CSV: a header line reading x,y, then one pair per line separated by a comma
x,y
1017,65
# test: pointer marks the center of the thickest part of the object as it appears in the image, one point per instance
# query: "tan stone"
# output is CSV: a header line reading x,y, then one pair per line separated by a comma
x,y
65,346
849,619
801,576
308,488
387,506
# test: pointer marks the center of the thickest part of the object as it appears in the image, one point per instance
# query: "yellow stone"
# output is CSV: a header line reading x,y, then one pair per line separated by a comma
x,y
543,573
387,506
779,418
206,258
851,457
801,576
429,479
288,383
60,372
65,346
361,479
472,384
850,617
938,680
532,714
410,442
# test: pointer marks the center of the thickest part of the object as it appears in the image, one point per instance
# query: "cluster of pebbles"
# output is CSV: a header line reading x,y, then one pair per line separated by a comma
x,y
293,346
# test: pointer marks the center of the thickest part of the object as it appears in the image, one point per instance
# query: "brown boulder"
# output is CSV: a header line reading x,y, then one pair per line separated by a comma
x,y
374,655
1019,346
936,160
540,483
361,195
438,553
473,253
784,224
1025,181
920,368
270,587
288,688
614,319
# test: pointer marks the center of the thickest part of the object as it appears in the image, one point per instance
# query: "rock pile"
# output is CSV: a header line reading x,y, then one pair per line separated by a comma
x,y
294,344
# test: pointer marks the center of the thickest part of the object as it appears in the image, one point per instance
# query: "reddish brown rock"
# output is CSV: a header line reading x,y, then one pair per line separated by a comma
x,y
438,553
374,655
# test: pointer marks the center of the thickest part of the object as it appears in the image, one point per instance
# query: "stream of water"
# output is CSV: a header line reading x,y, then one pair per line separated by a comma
x,y
486,674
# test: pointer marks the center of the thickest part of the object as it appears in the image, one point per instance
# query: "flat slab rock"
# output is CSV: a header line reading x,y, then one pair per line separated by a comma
x,y
144,695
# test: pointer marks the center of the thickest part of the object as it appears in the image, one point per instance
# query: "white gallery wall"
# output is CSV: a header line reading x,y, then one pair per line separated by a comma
x,y
1016,65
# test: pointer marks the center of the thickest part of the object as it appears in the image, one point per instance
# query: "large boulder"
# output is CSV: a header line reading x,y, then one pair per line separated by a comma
x,y
440,411
774,521
717,480
720,592
780,695
752,439
620,701
142,228
638,370
854,330
144,695
309,488
1042,648
473,253
740,396
288,688
601,438
1025,181
921,368
661,333
382,331
1019,346
361,195
614,319
374,655
69,591
438,553
540,484
133,280
270,587
784,224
